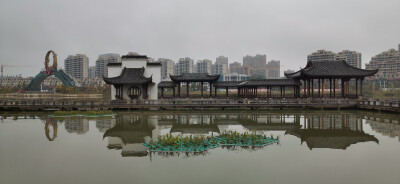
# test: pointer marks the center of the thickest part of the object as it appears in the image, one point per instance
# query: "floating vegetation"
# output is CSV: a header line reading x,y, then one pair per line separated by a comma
x,y
234,138
82,113
179,143
170,143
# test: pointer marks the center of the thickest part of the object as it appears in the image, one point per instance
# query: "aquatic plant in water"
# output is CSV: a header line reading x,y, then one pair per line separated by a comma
x,y
190,143
244,139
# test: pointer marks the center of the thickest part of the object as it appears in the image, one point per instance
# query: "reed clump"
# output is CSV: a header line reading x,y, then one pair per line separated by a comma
x,y
170,142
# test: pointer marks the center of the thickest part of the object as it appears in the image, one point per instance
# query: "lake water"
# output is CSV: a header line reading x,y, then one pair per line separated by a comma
x,y
314,147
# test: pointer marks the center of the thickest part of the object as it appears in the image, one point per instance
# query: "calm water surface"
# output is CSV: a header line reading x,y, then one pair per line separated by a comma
x,y
314,147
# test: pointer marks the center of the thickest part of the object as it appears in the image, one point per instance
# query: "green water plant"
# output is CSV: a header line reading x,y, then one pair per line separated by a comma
x,y
244,139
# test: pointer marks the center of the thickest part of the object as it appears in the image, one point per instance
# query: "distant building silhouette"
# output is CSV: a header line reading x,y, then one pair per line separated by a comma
x,y
274,69
204,66
258,64
388,63
353,58
184,65
77,66
103,60
167,68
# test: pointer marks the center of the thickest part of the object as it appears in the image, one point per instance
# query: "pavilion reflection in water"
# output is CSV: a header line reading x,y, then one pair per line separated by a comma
x,y
335,131
324,130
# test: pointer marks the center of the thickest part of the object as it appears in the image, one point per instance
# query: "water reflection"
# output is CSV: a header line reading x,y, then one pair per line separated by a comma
x,y
335,131
323,129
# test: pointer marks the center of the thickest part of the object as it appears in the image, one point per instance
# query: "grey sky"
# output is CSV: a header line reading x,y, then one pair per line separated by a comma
x,y
282,29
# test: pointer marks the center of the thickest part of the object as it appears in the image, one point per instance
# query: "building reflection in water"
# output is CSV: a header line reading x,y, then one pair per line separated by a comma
x,y
324,129
385,125
335,131
79,126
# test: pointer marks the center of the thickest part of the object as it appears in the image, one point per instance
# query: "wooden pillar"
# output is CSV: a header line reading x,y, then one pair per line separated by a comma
x,y
227,92
215,89
334,88
323,87
330,88
162,92
187,89
319,88
281,92
312,88
255,90
210,90
201,89
342,90
304,87
122,92
356,87
361,88
179,89
284,90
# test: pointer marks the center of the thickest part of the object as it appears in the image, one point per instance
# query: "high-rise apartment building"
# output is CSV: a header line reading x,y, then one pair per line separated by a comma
x,y
237,67
204,66
322,55
167,68
258,64
77,66
234,67
220,66
184,65
353,58
388,63
274,69
103,60
92,72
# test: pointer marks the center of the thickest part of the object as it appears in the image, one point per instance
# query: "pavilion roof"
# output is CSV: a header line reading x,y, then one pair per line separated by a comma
x,y
194,77
271,82
224,84
166,84
330,69
129,76
335,139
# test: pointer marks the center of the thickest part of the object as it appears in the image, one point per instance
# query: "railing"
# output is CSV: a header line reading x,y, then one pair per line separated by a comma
x,y
191,103
395,104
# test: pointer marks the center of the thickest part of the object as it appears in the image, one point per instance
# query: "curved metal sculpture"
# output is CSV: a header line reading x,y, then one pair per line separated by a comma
x,y
35,83
46,61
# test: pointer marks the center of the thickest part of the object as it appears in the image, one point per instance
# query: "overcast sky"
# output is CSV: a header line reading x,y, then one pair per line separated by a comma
x,y
284,30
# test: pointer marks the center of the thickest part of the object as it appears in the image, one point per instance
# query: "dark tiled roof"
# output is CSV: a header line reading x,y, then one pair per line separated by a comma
x,y
335,139
166,84
114,64
271,82
194,77
134,57
129,76
153,63
224,84
331,69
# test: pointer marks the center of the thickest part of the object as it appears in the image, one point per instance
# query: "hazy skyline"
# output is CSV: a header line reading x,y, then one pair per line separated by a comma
x,y
283,30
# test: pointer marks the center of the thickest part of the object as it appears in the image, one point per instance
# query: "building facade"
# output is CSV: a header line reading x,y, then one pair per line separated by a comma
x,y
92,72
388,63
322,55
274,69
234,77
258,64
204,66
353,58
167,68
134,78
184,65
77,66
103,60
